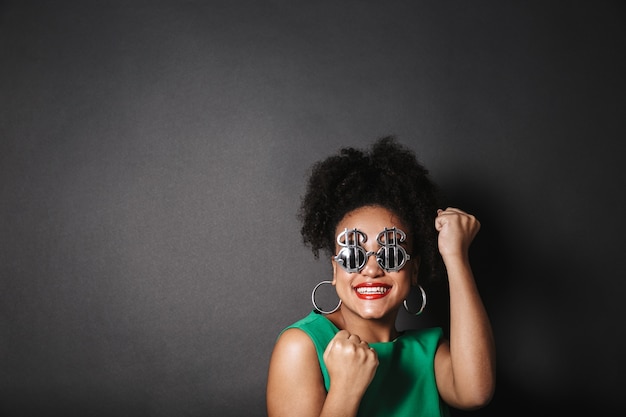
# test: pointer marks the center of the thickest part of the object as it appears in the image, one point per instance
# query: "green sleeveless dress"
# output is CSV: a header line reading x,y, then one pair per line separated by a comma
x,y
404,384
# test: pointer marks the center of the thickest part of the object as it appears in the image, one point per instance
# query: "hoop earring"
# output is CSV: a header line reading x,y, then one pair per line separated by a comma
x,y
406,307
313,299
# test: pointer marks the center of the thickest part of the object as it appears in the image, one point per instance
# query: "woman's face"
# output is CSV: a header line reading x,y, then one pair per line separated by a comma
x,y
373,291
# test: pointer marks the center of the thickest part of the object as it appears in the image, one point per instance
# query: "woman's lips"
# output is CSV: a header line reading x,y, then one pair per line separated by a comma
x,y
371,290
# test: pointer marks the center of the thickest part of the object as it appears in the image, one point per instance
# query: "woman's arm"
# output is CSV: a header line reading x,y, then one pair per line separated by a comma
x,y
464,367
295,384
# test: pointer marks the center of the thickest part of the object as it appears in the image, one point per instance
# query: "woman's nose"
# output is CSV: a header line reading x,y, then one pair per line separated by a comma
x,y
371,268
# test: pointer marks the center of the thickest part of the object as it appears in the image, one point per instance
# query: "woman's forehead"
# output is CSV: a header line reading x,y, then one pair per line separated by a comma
x,y
371,220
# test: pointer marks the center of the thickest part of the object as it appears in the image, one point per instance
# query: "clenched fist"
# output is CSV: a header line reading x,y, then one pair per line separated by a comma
x,y
456,230
351,363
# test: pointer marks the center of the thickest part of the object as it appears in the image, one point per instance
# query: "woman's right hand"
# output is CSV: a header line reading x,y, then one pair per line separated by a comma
x,y
351,363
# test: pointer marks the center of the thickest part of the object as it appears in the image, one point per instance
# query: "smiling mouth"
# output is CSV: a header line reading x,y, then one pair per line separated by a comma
x,y
372,292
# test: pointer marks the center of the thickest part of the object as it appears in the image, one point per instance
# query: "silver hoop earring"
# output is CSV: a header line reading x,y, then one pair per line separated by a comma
x,y
406,307
313,299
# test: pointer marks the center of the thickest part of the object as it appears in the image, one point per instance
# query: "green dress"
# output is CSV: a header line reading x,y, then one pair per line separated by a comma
x,y
404,384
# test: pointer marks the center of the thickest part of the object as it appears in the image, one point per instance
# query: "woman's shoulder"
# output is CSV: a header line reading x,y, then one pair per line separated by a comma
x,y
315,326
294,338
295,352
294,369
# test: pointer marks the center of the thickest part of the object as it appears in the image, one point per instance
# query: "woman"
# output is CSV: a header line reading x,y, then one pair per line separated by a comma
x,y
375,213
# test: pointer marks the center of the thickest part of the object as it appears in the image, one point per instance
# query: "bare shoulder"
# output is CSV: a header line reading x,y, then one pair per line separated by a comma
x,y
294,341
294,356
295,385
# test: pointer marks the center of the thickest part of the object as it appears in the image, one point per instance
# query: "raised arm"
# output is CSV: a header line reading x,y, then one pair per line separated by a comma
x,y
464,367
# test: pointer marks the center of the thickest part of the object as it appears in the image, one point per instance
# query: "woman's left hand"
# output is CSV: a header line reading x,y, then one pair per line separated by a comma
x,y
456,230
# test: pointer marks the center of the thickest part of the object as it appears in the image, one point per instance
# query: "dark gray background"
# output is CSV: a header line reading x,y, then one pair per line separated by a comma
x,y
153,155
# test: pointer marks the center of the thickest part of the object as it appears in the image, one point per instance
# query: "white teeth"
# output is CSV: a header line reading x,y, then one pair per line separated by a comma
x,y
371,290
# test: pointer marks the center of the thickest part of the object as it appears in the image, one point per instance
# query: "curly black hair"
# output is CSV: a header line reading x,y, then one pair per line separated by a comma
x,y
388,175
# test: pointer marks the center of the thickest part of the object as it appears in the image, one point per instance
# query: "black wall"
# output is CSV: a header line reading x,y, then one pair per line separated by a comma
x,y
153,154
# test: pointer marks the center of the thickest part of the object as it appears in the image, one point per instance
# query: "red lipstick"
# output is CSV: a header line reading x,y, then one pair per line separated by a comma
x,y
372,290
